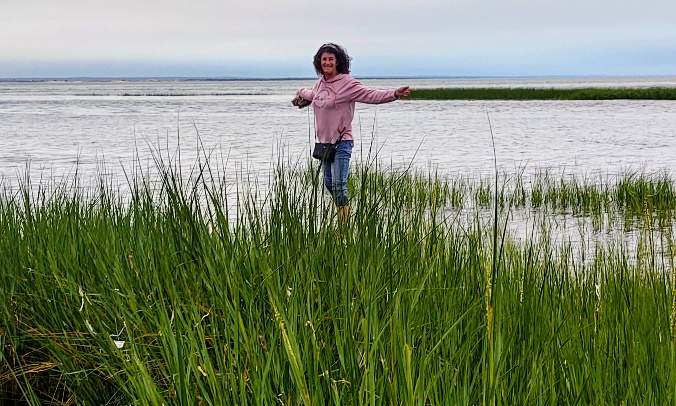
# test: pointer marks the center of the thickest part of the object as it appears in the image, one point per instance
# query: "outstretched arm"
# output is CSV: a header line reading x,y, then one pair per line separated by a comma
x,y
363,94
307,94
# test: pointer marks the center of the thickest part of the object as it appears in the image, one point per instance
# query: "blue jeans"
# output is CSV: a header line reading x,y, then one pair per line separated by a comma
x,y
335,174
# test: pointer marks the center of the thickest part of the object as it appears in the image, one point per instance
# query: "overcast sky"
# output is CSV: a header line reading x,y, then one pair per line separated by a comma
x,y
277,38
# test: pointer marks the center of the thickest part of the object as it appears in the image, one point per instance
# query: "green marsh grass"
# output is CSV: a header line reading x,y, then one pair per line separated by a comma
x,y
653,93
280,305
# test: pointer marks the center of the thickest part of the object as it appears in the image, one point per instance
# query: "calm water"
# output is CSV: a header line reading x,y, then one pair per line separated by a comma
x,y
113,129
56,126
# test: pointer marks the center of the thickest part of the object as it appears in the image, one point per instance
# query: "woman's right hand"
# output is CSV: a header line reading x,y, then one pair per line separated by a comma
x,y
301,102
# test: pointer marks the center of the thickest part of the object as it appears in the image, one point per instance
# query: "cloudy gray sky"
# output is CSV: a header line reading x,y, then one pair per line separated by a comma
x,y
277,38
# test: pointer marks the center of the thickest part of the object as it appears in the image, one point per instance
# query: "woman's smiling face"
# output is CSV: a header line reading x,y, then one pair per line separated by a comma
x,y
329,65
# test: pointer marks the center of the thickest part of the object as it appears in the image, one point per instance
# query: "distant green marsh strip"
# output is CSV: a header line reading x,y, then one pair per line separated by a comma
x,y
653,93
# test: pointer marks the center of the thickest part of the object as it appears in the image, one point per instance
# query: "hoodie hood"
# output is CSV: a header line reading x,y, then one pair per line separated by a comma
x,y
334,79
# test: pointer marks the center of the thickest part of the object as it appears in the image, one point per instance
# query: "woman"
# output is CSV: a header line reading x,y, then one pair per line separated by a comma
x,y
333,99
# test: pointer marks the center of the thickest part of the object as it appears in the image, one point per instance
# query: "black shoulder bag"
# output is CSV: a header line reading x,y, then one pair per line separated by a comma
x,y
325,151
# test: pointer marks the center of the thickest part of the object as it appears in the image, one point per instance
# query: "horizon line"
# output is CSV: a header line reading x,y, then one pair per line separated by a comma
x,y
285,78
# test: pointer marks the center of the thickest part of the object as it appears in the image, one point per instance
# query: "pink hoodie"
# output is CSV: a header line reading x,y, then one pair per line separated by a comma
x,y
333,101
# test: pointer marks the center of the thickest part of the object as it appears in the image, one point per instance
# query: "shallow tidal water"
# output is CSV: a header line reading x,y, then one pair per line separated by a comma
x,y
56,125
116,129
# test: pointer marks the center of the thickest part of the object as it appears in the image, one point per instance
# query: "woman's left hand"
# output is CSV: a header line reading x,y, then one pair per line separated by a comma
x,y
403,91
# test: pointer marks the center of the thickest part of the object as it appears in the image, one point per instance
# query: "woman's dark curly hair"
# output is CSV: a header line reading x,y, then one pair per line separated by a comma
x,y
342,58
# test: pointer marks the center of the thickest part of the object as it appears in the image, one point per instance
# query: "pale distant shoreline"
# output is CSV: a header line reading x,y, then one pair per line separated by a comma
x,y
259,79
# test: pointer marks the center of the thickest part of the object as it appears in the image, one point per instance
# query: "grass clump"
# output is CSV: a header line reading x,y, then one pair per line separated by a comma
x,y
595,93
